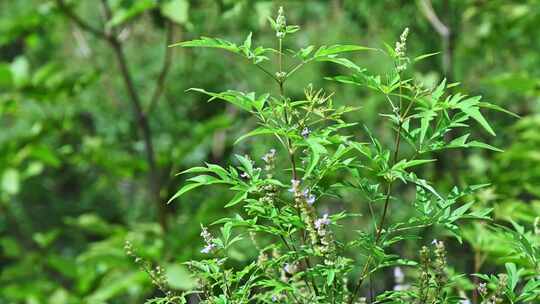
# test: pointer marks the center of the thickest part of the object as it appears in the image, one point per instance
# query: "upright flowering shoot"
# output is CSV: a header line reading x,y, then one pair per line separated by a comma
x,y
400,51
289,201
209,241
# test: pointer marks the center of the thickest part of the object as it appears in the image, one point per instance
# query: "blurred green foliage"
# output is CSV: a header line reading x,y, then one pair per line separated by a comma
x,y
75,180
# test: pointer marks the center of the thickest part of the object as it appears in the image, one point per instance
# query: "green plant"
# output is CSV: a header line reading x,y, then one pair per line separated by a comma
x,y
301,258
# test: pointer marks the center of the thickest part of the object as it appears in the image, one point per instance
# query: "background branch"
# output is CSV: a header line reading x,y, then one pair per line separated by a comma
x,y
79,21
167,60
443,30
141,118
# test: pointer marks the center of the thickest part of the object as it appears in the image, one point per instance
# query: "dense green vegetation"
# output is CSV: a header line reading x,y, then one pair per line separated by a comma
x,y
96,123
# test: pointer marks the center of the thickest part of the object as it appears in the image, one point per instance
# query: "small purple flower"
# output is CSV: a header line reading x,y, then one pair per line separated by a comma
x,y
289,268
274,298
310,198
322,222
295,185
305,132
269,157
208,248
208,239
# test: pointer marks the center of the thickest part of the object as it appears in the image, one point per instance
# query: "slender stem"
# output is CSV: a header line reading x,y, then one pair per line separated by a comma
x,y
380,228
298,66
266,72
226,289
290,150
280,55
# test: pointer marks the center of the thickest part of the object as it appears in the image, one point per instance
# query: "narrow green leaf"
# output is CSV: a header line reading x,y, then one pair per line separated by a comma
x,y
474,112
470,107
183,190
194,170
424,56
425,119
240,99
337,49
219,171
261,101
209,43
456,214
246,163
491,106
513,275
404,164
482,145
330,277
247,42
238,197
317,150
258,131
439,91
304,53
343,62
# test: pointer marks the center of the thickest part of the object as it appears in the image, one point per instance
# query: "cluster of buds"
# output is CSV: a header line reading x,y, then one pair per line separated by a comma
x,y
300,196
401,49
326,244
423,284
497,296
157,274
482,289
433,271
269,193
290,268
295,187
316,97
128,249
209,241
321,224
304,200
280,76
288,271
401,45
256,170
305,156
278,297
262,259
159,278
281,24
309,197
439,264
269,161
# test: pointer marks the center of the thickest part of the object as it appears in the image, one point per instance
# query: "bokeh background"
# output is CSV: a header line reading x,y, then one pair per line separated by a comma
x,y
89,151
